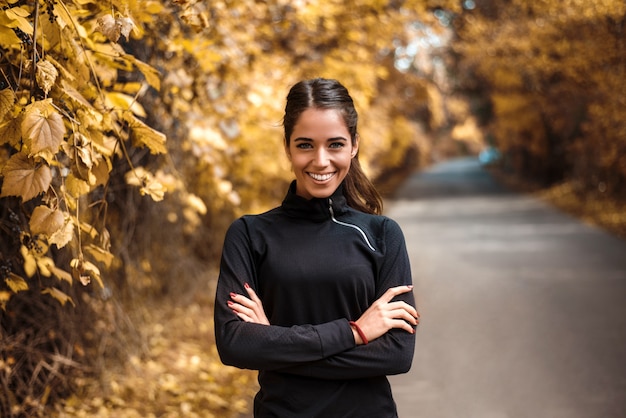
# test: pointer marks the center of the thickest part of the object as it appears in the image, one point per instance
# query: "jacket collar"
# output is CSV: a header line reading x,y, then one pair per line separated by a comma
x,y
316,209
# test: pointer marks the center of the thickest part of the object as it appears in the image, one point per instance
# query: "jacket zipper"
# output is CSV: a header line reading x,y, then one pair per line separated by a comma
x,y
332,216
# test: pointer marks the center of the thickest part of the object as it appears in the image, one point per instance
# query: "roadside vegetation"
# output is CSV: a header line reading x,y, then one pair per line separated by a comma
x,y
133,132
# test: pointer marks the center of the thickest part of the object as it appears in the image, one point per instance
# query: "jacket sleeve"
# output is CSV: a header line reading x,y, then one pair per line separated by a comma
x,y
265,347
393,352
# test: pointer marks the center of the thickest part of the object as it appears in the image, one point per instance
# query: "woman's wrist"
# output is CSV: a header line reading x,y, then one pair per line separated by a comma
x,y
359,335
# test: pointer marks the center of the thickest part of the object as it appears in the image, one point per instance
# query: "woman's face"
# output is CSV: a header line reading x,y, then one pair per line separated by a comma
x,y
320,150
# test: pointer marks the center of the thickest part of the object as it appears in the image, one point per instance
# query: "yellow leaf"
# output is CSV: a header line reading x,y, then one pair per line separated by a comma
x,y
46,74
42,128
44,265
85,271
23,177
7,99
17,17
100,255
30,263
11,131
64,235
45,220
61,274
16,283
62,297
148,185
8,38
113,28
4,298
196,203
153,77
101,171
121,101
75,186
142,134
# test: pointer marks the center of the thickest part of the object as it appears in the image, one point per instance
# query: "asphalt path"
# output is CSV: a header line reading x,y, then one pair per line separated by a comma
x,y
523,307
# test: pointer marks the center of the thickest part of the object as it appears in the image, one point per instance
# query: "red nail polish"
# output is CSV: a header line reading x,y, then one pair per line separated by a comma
x,y
246,285
232,294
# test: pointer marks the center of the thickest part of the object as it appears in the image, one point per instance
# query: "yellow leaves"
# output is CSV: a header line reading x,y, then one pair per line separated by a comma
x,y
60,296
43,129
121,101
46,74
114,27
16,17
4,298
64,235
7,99
11,131
24,177
152,75
45,220
147,183
143,135
100,255
85,271
15,283
76,187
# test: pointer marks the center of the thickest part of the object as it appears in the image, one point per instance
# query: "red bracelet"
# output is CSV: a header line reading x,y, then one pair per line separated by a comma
x,y
359,331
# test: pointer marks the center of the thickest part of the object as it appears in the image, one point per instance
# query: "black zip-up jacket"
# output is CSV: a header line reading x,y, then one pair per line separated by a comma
x,y
316,264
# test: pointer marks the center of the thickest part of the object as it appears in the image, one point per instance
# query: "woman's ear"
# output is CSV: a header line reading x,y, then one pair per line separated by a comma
x,y
287,152
355,147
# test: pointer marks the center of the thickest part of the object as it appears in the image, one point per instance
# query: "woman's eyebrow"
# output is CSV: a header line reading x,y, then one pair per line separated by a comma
x,y
335,138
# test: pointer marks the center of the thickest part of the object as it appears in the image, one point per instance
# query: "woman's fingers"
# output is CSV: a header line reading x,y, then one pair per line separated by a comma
x,y
404,315
398,323
252,293
392,292
404,306
250,309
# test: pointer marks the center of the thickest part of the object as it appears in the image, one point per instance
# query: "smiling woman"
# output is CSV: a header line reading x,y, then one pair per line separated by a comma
x,y
316,294
320,151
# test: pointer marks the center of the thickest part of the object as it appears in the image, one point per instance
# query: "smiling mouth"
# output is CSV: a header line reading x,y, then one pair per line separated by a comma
x,y
321,177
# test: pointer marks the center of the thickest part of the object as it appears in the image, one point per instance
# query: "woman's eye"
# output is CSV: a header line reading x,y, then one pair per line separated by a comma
x,y
304,145
337,145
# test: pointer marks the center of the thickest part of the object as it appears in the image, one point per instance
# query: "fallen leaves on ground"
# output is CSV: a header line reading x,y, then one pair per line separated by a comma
x,y
179,375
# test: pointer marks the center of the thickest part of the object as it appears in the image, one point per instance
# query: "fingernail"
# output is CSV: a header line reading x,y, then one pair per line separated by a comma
x,y
410,286
230,303
232,294
246,285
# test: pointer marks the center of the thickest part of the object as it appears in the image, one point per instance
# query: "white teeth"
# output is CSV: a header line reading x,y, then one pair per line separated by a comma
x,y
321,177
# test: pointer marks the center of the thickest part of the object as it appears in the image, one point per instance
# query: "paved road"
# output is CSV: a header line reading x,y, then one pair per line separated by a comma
x,y
523,307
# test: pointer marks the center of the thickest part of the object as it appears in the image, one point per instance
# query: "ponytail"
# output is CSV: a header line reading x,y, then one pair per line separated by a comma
x,y
359,191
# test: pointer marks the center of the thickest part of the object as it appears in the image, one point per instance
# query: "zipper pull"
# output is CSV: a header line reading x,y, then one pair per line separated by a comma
x,y
330,207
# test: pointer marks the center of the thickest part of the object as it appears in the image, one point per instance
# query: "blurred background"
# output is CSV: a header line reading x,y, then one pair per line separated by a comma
x,y
134,132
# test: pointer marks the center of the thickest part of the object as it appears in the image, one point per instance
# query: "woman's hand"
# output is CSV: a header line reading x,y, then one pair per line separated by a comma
x,y
249,309
384,315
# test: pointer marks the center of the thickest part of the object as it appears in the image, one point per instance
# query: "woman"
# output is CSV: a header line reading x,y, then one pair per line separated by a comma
x,y
316,293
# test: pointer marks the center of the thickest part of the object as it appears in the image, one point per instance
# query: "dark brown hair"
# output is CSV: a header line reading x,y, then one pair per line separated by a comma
x,y
321,93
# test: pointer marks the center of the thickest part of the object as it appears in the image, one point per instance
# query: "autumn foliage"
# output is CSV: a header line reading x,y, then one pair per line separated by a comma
x,y
552,76
132,132
89,92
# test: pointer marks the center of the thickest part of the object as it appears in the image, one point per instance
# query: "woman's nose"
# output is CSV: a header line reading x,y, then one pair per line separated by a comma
x,y
321,158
